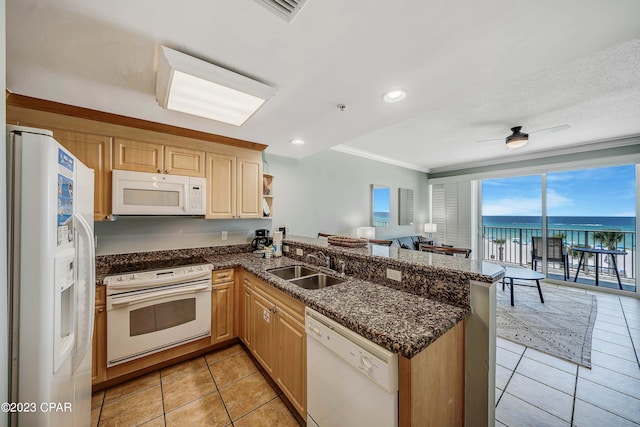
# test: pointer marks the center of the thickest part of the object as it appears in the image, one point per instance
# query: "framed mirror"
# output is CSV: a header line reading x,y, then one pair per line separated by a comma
x,y
380,205
405,206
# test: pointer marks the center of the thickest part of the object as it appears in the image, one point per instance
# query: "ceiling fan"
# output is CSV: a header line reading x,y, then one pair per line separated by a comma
x,y
519,139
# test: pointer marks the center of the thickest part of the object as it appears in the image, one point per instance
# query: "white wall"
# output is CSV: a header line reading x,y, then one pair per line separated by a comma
x,y
330,192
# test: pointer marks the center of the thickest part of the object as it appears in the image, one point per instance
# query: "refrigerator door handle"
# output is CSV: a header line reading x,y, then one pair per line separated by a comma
x,y
84,342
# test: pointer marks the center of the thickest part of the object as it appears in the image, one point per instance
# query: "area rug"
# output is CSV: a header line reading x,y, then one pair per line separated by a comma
x,y
561,327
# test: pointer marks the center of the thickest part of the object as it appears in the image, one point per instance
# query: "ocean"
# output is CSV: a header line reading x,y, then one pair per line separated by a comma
x,y
380,219
577,230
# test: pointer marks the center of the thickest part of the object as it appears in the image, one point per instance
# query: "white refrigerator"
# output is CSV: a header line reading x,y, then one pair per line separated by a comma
x,y
51,281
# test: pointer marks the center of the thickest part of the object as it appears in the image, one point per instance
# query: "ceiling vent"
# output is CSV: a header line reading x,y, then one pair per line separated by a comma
x,y
286,9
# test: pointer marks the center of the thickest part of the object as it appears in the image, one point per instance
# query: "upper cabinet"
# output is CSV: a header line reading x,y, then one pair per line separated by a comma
x,y
157,158
103,141
221,186
95,152
249,173
234,188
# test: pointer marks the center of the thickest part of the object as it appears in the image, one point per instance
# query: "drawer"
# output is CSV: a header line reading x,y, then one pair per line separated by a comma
x,y
222,276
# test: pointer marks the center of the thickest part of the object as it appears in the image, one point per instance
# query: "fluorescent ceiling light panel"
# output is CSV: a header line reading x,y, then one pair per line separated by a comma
x,y
193,86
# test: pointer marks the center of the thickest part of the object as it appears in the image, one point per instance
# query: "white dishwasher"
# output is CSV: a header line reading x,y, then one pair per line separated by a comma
x,y
350,380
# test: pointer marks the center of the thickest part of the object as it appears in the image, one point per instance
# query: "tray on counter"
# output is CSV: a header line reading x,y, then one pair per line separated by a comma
x,y
350,242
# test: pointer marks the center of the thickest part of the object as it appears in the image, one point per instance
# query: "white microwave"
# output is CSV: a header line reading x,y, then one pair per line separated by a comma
x,y
142,193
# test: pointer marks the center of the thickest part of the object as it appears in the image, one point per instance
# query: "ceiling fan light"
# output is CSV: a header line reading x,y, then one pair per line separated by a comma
x,y
517,141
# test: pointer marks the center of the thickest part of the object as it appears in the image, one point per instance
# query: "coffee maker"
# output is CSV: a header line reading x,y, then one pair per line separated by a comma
x,y
261,240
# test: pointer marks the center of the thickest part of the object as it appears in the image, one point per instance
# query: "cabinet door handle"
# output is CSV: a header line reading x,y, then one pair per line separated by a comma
x,y
101,310
159,170
166,171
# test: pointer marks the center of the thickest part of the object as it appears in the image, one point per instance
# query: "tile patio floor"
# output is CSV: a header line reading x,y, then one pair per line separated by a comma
x,y
535,389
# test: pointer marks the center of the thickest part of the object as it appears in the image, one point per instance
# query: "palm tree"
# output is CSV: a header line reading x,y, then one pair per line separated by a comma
x,y
609,239
500,243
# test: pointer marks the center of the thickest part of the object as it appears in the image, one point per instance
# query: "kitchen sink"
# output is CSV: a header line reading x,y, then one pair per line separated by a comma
x,y
317,281
293,272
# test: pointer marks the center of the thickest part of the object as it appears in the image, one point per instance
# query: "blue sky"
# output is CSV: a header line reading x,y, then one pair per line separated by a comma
x,y
586,192
381,199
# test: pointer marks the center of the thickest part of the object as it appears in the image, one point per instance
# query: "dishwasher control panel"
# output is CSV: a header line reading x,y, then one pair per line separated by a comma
x,y
377,363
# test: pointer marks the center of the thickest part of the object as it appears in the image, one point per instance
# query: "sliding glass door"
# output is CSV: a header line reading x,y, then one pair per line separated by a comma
x,y
511,216
586,218
593,212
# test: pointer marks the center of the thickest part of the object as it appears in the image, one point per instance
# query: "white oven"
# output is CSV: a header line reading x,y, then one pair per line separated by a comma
x,y
151,311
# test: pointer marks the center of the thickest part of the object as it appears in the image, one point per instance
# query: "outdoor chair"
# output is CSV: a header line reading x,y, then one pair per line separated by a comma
x,y
555,253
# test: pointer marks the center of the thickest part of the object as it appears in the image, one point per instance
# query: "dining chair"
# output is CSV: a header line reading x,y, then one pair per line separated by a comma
x,y
381,242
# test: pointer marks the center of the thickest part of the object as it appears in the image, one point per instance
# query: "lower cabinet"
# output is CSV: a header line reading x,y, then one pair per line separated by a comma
x,y
274,332
222,291
99,343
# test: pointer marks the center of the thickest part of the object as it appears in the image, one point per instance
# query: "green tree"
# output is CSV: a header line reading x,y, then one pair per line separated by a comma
x,y
609,239
500,243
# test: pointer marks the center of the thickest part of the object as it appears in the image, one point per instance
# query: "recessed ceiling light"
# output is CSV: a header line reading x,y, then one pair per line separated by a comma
x,y
297,141
394,95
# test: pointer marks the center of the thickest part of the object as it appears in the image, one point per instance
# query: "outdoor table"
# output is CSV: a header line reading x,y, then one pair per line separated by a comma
x,y
597,253
512,273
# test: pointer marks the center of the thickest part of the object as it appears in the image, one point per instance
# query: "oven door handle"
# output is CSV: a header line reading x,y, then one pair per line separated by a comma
x,y
158,295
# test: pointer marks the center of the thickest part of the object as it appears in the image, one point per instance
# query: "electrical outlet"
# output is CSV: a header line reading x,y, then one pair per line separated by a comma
x,y
223,235
285,249
394,275
299,252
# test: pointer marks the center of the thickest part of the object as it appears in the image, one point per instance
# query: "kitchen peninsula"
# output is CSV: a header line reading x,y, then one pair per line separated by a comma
x,y
437,300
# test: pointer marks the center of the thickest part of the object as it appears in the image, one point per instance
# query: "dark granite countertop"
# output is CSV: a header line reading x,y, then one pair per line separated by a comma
x,y
480,271
399,321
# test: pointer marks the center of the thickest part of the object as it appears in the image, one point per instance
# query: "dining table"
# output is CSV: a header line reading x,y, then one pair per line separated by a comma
x,y
598,252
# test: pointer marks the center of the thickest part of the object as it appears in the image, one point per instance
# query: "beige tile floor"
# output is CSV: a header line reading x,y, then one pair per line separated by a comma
x,y
223,388
536,389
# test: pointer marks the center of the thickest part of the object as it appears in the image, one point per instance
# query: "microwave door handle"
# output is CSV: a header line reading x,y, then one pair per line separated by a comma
x,y
158,295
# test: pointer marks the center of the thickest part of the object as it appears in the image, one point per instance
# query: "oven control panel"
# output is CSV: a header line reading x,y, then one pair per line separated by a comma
x,y
148,279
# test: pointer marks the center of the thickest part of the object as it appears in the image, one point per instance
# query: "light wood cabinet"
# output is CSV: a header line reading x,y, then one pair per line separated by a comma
x,y
263,331
234,187
99,342
157,158
222,312
249,202
291,347
274,325
95,152
221,186
244,312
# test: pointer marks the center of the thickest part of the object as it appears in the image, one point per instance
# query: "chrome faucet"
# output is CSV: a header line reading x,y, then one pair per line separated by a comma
x,y
343,266
327,258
